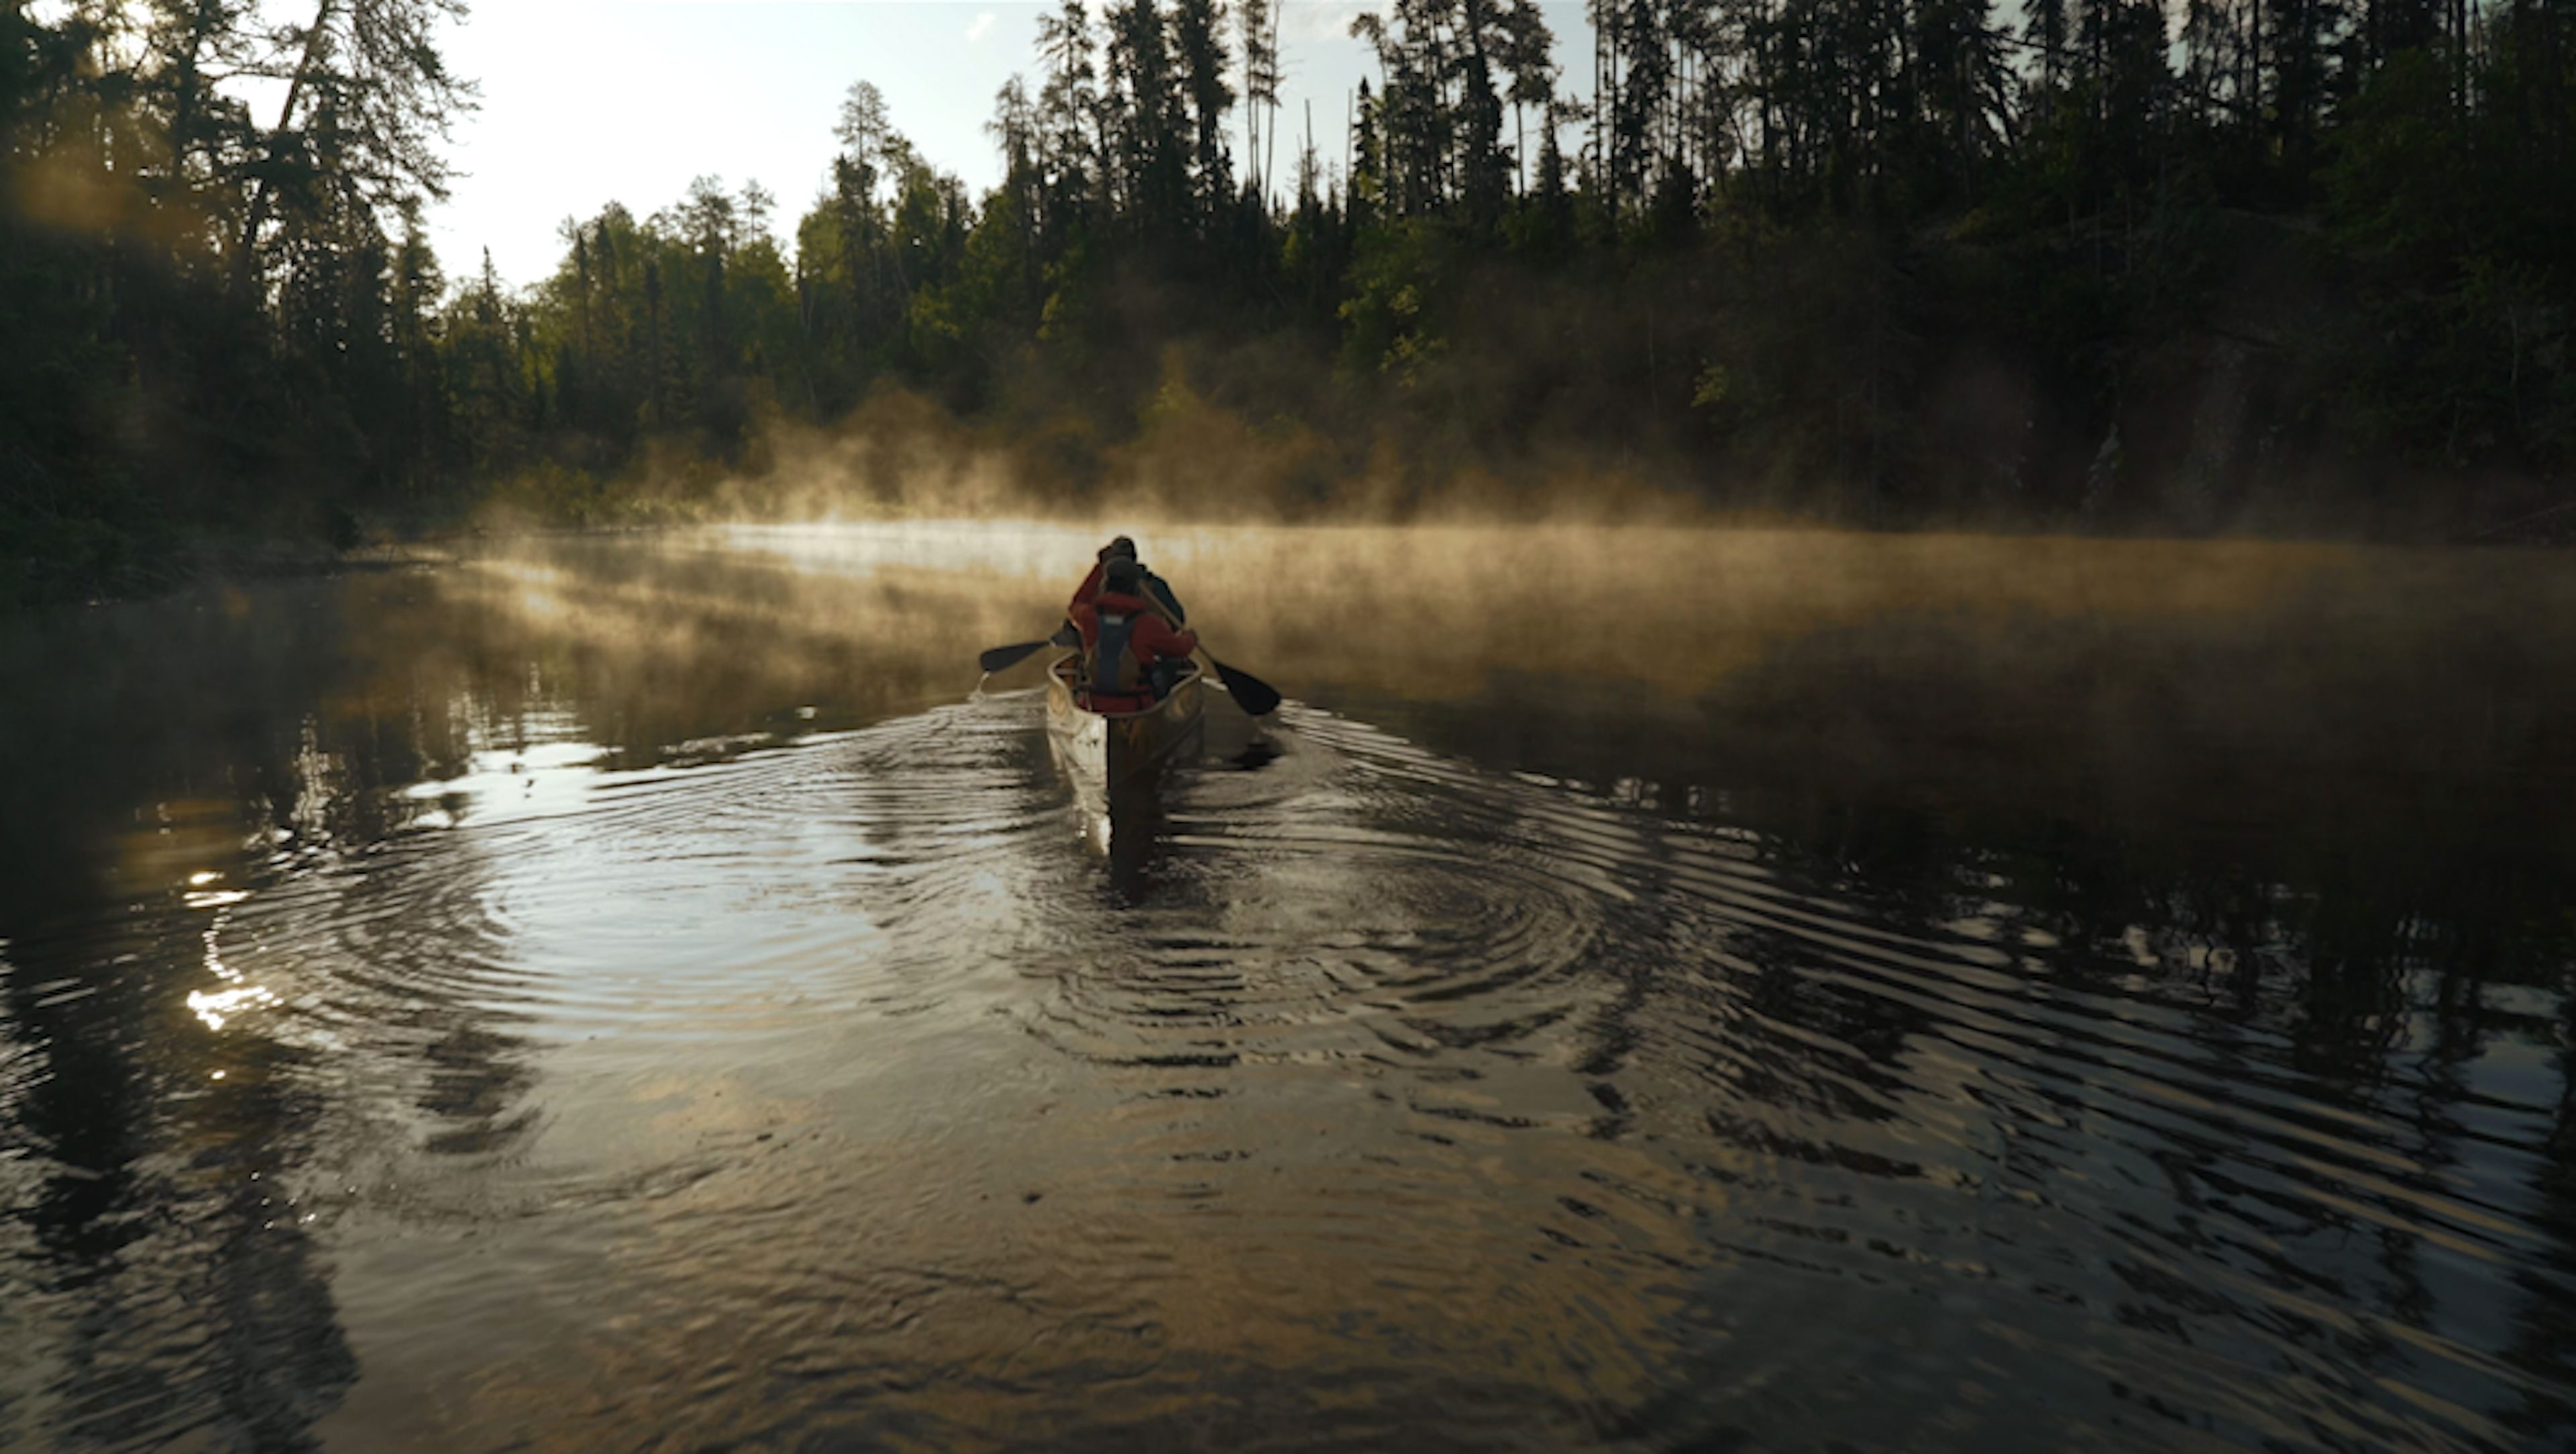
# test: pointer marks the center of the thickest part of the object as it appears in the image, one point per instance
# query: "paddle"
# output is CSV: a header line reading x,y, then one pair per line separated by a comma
x,y
1001,657
1250,692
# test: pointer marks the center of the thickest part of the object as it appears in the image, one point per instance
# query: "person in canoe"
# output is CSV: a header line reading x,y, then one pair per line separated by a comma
x,y
1130,654
1153,589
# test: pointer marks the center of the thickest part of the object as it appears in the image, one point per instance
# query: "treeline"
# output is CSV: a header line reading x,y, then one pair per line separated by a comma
x,y
211,319
1887,260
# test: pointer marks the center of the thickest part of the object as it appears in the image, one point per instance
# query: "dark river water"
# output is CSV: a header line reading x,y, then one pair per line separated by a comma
x,y
1644,990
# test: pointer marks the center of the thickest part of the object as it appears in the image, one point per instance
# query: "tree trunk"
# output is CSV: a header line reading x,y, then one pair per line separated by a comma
x,y
264,188
183,114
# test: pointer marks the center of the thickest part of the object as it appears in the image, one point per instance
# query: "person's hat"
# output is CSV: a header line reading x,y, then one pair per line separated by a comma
x,y
1121,573
1118,547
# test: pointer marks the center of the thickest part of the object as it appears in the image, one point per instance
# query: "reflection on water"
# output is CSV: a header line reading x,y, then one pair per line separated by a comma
x,y
1645,991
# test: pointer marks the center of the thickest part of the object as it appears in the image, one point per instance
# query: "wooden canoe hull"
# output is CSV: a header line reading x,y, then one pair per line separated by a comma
x,y
1105,752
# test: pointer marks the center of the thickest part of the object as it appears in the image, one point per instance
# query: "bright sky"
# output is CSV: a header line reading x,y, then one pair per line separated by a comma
x,y
591,101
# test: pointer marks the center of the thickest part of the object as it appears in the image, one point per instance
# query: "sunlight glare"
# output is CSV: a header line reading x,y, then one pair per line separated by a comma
x,y
223,1005
217,1006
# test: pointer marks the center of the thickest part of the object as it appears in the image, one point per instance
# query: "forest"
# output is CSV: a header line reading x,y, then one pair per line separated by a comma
x,y
2101,265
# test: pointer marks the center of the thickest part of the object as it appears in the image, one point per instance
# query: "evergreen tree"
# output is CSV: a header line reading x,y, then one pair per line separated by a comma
x,y
1198,47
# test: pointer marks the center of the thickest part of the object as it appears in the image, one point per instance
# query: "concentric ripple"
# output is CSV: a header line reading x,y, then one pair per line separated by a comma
x,y
1812,1106
1356,898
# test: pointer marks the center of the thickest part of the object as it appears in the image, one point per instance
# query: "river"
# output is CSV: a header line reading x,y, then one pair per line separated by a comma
x,y
1645,989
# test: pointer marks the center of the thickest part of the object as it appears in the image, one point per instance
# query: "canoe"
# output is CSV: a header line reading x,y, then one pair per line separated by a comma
x,y
1104,752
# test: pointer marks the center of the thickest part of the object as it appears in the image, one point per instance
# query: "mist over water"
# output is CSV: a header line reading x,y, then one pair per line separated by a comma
x,y
1647,989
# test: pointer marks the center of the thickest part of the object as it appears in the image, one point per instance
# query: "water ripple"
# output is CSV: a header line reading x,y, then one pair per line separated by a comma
x,y
834,1091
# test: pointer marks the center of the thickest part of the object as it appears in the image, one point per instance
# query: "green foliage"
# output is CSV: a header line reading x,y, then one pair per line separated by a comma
x,y
1392,317
2459,222
213,326
2401,182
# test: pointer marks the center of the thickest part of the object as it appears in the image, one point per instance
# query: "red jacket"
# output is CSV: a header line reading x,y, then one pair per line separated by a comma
x,y
1149,639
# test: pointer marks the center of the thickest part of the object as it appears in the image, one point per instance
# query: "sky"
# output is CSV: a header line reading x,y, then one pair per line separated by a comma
x,y
585,102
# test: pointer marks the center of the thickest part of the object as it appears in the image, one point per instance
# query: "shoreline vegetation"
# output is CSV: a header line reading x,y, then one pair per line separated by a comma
x,y
2110,267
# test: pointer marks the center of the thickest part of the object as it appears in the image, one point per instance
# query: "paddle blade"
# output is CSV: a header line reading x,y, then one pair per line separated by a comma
x,y
1250,692
1001,657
